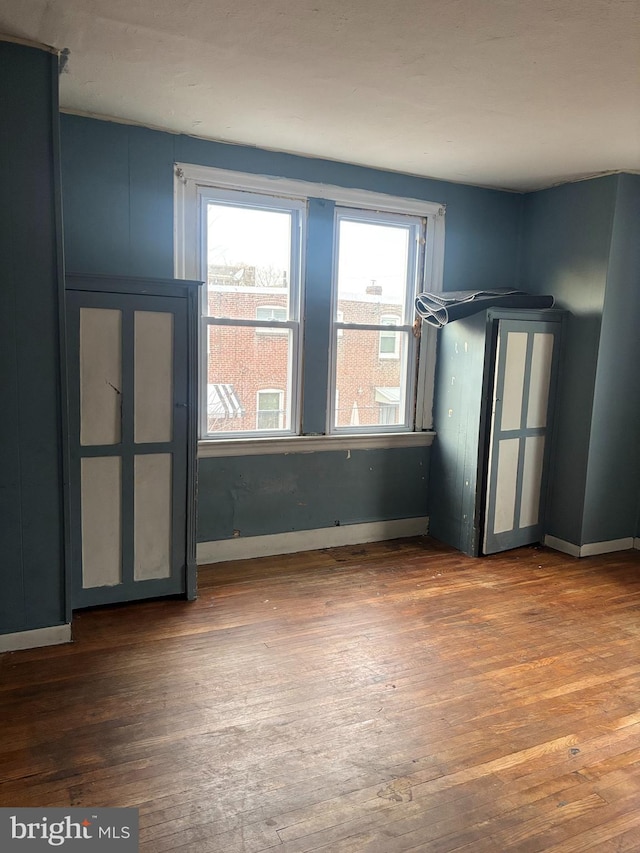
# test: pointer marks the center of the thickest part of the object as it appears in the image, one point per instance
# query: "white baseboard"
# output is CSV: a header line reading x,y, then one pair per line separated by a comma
x,y
561,545
221,550
636,544
591,549
34,639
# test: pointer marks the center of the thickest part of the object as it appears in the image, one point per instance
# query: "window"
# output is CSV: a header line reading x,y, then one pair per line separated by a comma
x,y
389,343
270,412
250,260
364,370
378,262
388,400
271,312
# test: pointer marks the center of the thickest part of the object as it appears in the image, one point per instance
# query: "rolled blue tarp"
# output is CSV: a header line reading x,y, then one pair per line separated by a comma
x,y
438,309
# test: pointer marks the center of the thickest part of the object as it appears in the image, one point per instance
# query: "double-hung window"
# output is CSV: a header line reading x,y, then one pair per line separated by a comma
x,y
359,366
378,266
251,251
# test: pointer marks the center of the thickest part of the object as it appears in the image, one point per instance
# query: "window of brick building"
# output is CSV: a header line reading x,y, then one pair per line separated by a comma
x,y
271,312
270,411
389,342
388,400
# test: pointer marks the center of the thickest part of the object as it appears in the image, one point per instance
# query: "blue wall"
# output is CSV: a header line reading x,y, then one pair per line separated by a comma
x,y
613,471
118,201
31,519
566,241
267,494
580,243
118,207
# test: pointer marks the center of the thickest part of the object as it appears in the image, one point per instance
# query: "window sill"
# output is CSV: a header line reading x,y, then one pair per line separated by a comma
x,y
311,444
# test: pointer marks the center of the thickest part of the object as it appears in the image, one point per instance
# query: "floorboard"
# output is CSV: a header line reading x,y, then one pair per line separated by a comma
x,y
385,698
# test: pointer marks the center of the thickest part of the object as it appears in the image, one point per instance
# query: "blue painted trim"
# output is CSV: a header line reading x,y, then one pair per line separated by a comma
x,y
317,305
65,462
135,285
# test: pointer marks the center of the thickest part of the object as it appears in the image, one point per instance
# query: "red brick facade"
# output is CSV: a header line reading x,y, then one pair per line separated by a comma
x,y
370,364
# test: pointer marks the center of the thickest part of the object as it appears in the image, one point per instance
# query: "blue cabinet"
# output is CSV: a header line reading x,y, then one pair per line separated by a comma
x,y
131,355
496,380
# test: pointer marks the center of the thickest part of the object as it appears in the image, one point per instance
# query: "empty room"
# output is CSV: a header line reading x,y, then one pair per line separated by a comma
x,y
319,444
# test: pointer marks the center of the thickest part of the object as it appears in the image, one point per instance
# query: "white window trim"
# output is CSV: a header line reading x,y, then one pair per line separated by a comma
x,y
276,445
188,176
410,353
433,276
190,194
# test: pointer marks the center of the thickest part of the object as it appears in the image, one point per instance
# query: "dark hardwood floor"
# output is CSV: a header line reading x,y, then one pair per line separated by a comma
x,y
388,697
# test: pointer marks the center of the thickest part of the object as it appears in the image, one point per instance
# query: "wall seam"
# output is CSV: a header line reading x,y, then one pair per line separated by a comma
x,y
520,244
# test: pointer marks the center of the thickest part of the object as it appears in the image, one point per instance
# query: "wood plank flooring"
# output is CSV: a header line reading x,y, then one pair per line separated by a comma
x,y
381,698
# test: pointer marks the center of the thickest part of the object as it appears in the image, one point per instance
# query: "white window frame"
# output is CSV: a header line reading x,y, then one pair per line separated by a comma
x,y
188,177
280,410
415,266
194,187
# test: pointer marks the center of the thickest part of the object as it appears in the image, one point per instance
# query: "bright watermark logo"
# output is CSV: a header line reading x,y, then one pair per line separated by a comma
x,y
35,830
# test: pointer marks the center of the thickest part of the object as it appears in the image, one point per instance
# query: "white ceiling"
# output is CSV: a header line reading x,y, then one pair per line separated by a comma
x,y
519,94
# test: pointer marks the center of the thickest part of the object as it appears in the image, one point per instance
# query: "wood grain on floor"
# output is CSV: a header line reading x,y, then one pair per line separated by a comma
x,y
389,697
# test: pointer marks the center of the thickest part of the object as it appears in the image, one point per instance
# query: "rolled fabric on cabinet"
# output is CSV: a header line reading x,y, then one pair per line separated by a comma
x,y
438,309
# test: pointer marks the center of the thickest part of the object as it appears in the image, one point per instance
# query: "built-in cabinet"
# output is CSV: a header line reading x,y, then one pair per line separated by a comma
x,y
131,355
496,381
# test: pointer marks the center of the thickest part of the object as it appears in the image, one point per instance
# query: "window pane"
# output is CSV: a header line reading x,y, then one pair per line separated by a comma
x,y
240,364
270,312
270,411
372,271
248,259
387,343
370,389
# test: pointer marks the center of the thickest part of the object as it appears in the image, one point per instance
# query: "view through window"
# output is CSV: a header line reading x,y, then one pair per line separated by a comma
x,y
252,270
378,262
308,304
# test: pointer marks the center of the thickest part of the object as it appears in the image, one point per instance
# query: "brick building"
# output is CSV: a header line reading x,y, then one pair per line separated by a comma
x,y
249,366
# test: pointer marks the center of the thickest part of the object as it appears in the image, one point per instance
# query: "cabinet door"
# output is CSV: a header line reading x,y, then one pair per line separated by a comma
x,y
127,359
520,433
